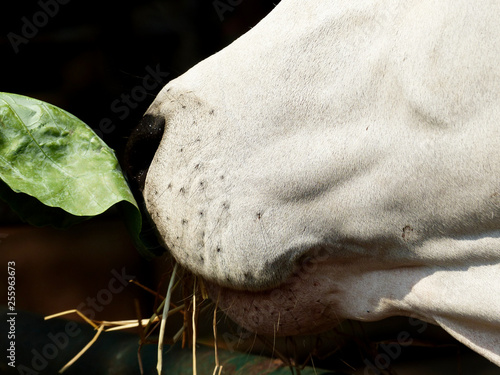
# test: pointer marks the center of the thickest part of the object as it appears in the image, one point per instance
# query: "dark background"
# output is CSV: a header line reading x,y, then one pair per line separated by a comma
x,y
85,54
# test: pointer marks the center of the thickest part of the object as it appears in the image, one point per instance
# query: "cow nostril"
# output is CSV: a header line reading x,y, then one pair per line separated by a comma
x,y
141,148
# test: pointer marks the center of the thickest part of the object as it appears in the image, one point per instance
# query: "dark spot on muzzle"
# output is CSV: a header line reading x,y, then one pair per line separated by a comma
x,y
141,148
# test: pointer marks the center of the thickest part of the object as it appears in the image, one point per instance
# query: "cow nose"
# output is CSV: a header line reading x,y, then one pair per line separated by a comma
x,y
141,148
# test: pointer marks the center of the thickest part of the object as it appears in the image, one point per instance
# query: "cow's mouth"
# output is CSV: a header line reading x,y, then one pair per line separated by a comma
x,y
303,304
294,304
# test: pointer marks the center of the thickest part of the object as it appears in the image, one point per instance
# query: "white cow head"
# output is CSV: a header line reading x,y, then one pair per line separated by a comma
x,y
340,160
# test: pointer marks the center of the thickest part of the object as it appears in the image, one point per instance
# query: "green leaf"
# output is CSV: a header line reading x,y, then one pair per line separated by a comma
x,y
56,170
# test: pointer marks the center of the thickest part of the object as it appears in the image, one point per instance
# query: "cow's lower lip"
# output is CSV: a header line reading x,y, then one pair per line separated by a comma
x,y
303,304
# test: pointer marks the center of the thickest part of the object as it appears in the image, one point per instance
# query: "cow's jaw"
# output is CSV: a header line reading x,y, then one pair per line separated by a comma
x,y
320,294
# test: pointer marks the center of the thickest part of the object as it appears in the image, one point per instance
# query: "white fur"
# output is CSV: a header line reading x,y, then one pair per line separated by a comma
x,y
366,128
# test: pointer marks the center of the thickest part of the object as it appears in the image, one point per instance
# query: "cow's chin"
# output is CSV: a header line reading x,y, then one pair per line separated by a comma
x,y
304,304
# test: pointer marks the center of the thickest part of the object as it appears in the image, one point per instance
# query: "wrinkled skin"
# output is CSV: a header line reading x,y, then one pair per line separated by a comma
x,y
340,160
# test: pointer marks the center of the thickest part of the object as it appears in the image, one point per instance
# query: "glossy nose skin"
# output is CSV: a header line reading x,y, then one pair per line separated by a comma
x,y
139,153
141,148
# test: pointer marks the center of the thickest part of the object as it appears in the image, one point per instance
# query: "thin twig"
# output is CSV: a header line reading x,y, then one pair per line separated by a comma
x,y
149,290
217,365
141,333
71,312
127,326
178,335
194,327
164,321
75,358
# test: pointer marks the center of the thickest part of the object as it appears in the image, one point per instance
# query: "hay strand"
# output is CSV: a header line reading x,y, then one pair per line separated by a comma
x,y
194,327
166,306
214,324
75,358
71,312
